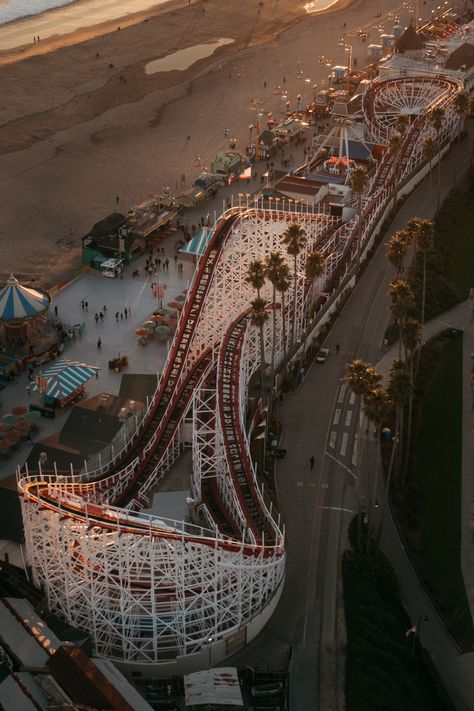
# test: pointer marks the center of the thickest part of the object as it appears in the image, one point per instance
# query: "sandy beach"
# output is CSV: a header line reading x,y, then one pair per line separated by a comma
x,y
74,136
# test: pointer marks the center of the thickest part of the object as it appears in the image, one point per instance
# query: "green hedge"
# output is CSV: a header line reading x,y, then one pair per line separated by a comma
x,y
381,672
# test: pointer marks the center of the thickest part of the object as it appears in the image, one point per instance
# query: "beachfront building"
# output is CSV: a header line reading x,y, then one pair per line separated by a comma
x,y
450,54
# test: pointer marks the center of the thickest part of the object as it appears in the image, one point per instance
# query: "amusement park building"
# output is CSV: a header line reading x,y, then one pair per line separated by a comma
x,y
160,595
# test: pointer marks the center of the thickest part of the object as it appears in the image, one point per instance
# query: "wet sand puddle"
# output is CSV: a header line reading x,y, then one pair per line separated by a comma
x,y
184,58
318,5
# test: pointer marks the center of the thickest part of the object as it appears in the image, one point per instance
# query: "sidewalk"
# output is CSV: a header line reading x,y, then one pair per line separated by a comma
x,y
456,671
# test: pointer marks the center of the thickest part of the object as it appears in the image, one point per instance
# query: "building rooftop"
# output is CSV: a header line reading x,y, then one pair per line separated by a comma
x,y
462,57
409,41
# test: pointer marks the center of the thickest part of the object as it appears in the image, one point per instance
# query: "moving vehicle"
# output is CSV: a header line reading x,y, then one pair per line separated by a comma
x,y
322,355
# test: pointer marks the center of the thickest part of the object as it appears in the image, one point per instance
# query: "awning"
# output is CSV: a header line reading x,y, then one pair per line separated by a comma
x,y
218,686
198,243
61,379
246,174
17,301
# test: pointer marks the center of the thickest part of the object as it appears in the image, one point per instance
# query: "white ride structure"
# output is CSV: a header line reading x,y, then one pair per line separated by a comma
x,y
157,594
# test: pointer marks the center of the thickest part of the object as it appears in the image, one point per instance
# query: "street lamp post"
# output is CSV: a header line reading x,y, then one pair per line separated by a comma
x,y
210,640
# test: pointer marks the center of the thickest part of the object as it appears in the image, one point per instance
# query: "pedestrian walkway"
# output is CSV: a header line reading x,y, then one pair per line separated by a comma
x,y
455,670
125,304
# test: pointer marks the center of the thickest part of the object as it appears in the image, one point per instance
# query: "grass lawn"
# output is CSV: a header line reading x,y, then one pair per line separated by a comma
x,y
438,472
460,258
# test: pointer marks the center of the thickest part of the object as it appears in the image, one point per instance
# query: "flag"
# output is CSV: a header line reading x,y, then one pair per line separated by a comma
x,y
412,630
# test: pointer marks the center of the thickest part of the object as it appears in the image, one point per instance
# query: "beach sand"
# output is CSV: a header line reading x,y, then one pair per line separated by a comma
x,y
74,136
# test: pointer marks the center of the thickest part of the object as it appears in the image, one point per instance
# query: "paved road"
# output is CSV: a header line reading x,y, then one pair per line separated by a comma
x,y
321,419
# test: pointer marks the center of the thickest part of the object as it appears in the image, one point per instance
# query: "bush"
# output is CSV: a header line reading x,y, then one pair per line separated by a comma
x,y
381,671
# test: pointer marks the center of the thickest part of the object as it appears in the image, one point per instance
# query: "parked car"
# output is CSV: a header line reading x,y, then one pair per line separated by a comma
x,y
261,690
322,355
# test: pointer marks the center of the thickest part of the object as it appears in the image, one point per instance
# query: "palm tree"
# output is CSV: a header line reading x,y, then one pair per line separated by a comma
x,y
411,337
282,286
394,148
273,264
398,391
397,248
361,378
258,318
314,268
402,300
461,107
375,407
429,152
422,233
401,124
358,180
295,239
256,275
437,119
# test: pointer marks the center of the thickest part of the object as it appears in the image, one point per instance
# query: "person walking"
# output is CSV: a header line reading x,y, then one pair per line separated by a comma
x,y
117,316
99,344
338,347
104,308
86,304
96,318
129,311
312,462
101,316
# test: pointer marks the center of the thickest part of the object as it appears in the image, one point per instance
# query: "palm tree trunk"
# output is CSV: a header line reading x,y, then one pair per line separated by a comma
x,y
295,285
274,337
431,180
439,169
262,360
423,294
410,418
283,324
389,475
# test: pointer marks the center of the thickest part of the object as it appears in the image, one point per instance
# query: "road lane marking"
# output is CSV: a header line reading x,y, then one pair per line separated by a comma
x,y
352,398
355,451
348,417
342,392
336,508
341,464
345,436
300,483
332,440
337,416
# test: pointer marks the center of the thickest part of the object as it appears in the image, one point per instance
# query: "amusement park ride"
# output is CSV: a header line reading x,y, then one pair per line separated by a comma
x,y
156,594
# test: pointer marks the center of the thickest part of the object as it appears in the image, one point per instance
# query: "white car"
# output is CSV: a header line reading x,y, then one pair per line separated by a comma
x,y
322,355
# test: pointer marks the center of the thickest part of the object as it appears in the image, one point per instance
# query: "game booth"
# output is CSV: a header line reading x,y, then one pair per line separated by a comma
x,y
61,384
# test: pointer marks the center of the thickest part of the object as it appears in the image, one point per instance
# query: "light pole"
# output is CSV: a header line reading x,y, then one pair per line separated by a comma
x,y
210,640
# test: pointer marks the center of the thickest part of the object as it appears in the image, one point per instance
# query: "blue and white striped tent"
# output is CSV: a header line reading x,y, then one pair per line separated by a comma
x,y
63,378
198,244
18,302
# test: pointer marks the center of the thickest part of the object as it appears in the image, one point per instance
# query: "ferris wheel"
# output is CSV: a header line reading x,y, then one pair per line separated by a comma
x,y
413,96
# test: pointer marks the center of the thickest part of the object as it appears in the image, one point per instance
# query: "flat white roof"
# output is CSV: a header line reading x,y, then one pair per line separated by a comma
x,y
23,645
12,696
38,627
118,680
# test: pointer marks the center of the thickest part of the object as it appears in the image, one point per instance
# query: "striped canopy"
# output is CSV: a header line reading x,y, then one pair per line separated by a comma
x,y
63,378
18,302
198,243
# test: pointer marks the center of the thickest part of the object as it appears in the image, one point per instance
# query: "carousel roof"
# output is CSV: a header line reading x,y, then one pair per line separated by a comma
x,y
17,301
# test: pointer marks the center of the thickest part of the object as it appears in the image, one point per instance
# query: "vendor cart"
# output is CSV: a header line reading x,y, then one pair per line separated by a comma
x,y
118,363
